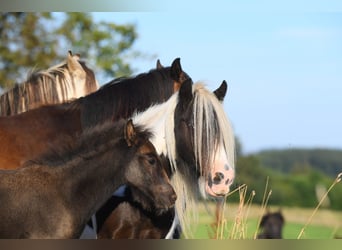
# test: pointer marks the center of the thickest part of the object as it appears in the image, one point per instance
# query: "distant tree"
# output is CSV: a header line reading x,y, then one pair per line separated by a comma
x,y
41,40
238,147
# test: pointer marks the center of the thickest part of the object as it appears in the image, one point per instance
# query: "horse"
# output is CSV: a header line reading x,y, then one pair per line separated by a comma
x,y
194,134
198,140
200,135
271,225
54,195
26,135
68,80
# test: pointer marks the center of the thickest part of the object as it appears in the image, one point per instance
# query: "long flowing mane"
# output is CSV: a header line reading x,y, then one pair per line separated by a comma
x,y
50,86
211,128
121,97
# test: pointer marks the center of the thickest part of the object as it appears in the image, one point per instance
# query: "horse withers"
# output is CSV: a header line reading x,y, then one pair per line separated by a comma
x,y
55,195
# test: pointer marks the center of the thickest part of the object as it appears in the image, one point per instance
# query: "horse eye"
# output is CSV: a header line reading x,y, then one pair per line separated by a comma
x,y
151,160
188,124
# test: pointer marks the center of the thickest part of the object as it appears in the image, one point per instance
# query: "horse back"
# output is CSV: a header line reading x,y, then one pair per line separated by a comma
x,y
27,135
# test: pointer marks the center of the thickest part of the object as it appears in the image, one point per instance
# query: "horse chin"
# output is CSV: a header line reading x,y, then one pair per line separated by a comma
x,y
210,190
161,211
216,193
160,206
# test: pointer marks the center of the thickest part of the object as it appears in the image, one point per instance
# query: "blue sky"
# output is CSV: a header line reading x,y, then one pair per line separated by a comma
x,y
283,67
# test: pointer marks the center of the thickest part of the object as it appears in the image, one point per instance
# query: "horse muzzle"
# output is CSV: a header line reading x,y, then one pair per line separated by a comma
x,y
166,199
218,184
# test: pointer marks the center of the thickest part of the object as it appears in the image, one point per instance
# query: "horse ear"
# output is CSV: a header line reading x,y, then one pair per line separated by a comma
x,y
77,56
221,91
159,65
185,93
176,69
73,63
129,133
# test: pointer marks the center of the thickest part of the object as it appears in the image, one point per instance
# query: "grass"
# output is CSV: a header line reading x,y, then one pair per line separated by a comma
x,y
325,225
240,221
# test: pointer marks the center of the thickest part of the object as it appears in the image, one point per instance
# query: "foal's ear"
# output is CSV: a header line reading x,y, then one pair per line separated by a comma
x,y
221,91
130,133
159,65
185,93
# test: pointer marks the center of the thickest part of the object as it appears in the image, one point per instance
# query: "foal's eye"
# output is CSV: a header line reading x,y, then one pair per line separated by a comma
x,y
151,160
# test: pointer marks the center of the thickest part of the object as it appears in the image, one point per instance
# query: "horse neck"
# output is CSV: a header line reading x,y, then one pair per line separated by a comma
x,y
57,84
121,97
87,178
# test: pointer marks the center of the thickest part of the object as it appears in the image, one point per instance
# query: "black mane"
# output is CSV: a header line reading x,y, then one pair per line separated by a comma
x,y
121,97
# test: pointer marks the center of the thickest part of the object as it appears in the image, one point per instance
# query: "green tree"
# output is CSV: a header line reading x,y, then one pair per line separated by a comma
x,y
40,40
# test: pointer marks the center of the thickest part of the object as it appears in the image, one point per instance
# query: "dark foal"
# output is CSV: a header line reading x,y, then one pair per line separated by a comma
x,y
272,225
55,195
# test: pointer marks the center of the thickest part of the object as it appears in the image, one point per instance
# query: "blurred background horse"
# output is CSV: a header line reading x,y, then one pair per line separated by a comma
x,y
271,225
60,83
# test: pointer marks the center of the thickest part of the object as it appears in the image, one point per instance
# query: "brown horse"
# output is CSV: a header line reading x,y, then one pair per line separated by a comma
x,y
27,135
60,83
55,195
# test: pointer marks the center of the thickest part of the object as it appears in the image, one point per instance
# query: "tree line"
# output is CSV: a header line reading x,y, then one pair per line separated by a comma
x,y
294,176
41,40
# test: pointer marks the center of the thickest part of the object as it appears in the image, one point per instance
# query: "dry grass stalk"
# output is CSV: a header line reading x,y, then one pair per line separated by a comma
x,y
265,199
338,179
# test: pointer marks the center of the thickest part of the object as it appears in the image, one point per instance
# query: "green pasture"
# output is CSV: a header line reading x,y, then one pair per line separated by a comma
x,y
325,224
290,231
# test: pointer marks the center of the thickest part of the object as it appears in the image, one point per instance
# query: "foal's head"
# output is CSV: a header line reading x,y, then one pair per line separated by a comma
x,y
146,174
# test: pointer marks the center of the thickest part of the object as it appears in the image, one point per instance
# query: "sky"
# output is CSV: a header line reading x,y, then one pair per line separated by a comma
x,y
283,66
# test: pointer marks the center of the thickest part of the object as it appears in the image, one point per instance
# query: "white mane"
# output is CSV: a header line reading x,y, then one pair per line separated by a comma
x,y
159,119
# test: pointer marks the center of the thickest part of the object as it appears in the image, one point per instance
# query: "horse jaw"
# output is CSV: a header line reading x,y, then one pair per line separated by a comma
x,y
221,176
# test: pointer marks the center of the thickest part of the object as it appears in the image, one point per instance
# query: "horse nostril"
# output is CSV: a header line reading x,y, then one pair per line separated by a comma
x,y
218,177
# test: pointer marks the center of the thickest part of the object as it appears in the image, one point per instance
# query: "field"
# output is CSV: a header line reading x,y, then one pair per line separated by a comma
x,y
241,223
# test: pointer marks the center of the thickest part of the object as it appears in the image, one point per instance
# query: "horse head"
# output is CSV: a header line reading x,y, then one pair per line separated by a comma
x,y
149,183
176,73
204,137
81,75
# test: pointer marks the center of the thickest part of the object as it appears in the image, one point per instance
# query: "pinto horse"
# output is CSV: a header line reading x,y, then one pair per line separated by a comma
x,y
54,195
192,117
60,83
194,134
